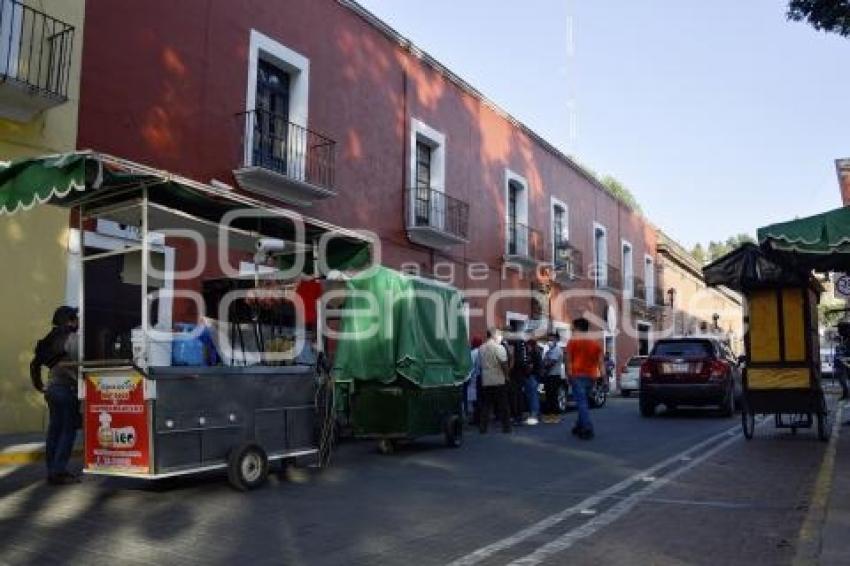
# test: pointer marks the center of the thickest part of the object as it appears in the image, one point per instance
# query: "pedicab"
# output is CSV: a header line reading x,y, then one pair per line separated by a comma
x,y
782,372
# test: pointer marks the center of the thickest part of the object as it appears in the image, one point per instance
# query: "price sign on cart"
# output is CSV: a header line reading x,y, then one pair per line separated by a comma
x,y
842,286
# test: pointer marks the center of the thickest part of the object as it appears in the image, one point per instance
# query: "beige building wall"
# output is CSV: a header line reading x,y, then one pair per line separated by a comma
x,y
695,305
33,243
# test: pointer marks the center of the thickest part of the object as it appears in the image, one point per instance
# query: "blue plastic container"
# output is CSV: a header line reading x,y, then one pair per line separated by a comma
x,y
187,349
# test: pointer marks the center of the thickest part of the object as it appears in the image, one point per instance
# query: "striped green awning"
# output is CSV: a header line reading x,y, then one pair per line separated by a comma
x,y
820,242
27,182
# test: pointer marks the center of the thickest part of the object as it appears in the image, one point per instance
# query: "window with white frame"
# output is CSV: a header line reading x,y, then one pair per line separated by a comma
x,y
427,175
276,106
649,278
628,269
600,255
560,234
516,214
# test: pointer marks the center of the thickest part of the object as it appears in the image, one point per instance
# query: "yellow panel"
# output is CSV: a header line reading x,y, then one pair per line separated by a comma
x,y
795,334
778,378
764,326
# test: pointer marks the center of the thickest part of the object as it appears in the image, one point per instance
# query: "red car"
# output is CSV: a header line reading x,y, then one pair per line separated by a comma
x,y
696,371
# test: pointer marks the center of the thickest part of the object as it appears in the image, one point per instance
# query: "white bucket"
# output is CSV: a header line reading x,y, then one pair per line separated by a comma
x,y
159,348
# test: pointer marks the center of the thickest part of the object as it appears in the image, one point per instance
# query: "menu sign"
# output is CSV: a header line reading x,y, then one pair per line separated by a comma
x,y
116,423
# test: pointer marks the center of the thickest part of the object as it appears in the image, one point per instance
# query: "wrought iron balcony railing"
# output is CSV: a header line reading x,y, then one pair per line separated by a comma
x,y
433,209
605,276
35,49
567,261
524,243
272,142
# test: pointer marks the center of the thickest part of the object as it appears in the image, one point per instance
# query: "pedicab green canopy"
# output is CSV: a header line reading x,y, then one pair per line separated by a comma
x,y
820,242
398,325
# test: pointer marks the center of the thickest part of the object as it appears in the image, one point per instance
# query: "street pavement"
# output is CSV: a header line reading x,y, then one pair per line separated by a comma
x,y
681,488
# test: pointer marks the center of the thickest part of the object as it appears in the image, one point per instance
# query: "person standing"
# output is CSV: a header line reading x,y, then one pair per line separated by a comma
x,y
493,358
839,369
532,381
57,351
519,371
473,384
586,365
553,368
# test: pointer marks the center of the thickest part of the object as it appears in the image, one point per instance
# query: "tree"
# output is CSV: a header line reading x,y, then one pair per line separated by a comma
x,y
720,248
620,191
699,253
826,15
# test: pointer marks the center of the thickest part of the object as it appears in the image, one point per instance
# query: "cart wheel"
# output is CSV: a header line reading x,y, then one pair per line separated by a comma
x,y
748,423
824,431
386,446
247,467
453,431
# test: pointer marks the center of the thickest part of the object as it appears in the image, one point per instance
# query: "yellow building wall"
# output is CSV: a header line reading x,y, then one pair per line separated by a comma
x,y
33,244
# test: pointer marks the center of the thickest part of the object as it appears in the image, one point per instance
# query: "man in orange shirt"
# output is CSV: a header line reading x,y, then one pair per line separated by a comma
x,y
584,366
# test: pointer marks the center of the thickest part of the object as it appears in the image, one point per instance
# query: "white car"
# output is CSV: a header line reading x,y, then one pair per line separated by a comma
x,y
630,376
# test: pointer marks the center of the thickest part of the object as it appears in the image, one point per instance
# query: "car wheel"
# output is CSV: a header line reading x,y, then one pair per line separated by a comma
x,y
247,467
598,396
647,408
562,398
727,408
453,431
626,392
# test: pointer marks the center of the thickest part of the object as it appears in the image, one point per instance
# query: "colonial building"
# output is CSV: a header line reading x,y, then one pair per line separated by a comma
x,y
695,308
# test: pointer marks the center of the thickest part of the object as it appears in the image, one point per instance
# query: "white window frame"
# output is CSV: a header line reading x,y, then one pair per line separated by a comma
x,y
522,206
565,230
649,278
422,132
601,279
628,274
298,68
648,325
511,316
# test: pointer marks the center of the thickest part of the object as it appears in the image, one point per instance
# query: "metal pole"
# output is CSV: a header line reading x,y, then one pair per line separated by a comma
x,y
145,261
81,299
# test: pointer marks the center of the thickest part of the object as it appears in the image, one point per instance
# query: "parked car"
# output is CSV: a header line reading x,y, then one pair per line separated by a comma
x,y
630,376
691,370
826,365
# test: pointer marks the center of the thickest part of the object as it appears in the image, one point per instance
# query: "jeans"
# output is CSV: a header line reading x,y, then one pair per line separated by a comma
x,y
532,395
581,389
62,429
494,396
553,384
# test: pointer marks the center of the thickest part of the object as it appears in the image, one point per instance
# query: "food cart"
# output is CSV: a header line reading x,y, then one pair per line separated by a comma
x,y
403,377
782,373
152,407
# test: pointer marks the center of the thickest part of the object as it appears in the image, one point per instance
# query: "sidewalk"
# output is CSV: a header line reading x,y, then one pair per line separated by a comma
x,y
20,449
834,542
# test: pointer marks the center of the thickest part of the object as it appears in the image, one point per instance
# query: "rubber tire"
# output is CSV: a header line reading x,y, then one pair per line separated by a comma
x,y
598,397
748,424
647,408
824,431
563,396
453,431
626,393
727,408
247,467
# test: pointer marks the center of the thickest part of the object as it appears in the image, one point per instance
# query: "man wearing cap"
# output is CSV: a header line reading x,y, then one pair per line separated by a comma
x,y
55,351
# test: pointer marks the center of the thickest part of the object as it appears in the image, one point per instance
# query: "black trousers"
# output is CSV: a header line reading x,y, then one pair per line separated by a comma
x,y
552,384
516,397
494,397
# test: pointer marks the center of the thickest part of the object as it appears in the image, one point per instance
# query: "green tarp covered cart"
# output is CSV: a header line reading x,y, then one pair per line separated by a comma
x,y
402,358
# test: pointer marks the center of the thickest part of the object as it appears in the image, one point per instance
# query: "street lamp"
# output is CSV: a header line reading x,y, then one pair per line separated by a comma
x,y
715,317
671,296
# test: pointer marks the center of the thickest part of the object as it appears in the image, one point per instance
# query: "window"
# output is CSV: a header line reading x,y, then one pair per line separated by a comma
x,y
271,121
600,255
560,235
649,278
427,175
516,214
628,270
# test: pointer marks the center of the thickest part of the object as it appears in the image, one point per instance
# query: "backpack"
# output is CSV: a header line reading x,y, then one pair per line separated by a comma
x,y
48,352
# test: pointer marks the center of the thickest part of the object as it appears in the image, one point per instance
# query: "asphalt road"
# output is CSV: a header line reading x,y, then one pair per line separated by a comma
x,y
681,488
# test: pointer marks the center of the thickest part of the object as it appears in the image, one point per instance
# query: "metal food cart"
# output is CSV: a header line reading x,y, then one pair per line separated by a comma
x,y
144,417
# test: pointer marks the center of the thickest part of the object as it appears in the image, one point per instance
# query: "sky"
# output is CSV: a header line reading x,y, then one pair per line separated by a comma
x,y
719,116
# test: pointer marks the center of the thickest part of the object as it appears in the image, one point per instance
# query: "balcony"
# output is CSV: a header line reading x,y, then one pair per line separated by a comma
x,y
606,277
567,263
35,61
640,308
435,219
285,161
525,245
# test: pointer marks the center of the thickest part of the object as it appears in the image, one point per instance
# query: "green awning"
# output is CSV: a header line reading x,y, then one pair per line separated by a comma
x,y
100,180
820,242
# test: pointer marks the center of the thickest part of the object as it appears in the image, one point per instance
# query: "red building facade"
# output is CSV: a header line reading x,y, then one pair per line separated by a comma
x,y
318,103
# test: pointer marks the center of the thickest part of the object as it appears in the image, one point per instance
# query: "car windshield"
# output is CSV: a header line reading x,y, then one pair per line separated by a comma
x,y
683,349
636,361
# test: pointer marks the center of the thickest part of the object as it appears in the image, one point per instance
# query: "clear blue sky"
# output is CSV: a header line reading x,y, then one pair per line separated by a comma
x,y
719,116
